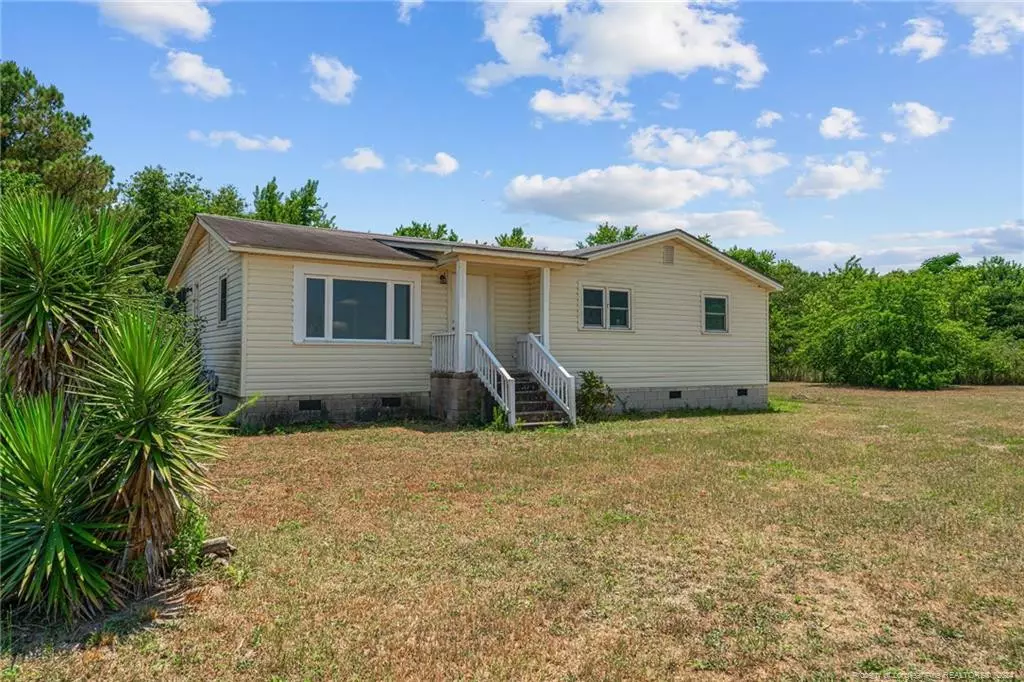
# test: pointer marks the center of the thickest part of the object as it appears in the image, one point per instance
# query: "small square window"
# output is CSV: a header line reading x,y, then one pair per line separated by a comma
x,y
716,314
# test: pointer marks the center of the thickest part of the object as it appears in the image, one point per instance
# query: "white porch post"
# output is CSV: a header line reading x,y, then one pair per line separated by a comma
x,y
460,315
545,306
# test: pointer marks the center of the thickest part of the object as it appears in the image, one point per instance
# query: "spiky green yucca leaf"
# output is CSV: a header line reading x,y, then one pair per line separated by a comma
x,y
61,272
54,535
141,382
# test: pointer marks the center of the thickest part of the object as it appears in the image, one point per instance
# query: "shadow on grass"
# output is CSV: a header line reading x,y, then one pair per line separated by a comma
x,y
25,635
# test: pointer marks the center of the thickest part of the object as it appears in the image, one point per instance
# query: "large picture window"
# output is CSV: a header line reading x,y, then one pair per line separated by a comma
x,y
348,309
606,308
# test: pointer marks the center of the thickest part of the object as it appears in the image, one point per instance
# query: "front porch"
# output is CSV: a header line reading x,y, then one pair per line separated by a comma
x,y
501,314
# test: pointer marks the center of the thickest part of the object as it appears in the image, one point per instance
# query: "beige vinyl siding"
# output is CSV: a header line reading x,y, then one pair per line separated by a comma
x,y
510,309
666,347
275,365
221,341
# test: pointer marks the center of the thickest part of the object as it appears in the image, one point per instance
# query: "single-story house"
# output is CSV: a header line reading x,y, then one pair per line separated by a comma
x,y
343,326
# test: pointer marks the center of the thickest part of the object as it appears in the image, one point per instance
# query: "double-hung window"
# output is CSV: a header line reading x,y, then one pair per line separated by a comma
x,y
349,309
606,308
716,313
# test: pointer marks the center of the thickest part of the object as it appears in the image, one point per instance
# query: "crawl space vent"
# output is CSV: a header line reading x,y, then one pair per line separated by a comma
x,y
668,254
675,395
390,402
741,392
311,405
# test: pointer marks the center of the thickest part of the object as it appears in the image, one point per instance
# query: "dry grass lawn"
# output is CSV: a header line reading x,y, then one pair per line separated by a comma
x,y
852,531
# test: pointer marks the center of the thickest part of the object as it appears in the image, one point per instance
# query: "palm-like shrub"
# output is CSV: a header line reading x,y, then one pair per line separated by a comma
x,y
62,271
141,384
56,521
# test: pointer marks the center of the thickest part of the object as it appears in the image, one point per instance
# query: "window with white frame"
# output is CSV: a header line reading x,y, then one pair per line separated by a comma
x,y
350,309
716,313
606,308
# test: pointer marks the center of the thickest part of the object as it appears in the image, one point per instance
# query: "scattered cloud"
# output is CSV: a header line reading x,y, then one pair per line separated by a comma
x,y
195,76
670,101
553,242
888,138
405,8
720,151
332,81
624,193
851,172
822,254
444,164
1006,239
857,35
926,38
243,143
362,159
155,22
767,118
997,25
580,106
920,121
841,123
728,224
599,48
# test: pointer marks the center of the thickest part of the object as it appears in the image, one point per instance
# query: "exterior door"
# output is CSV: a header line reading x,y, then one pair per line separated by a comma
x,y
477,318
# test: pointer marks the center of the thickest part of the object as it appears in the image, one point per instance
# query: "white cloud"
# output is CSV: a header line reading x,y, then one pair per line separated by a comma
x,y
195,76
888,138
920,121
722,151
601,48
242,142
552,242
405,8
728,224
1006,239
926,38
670,101
767,118
851,172
580,106
332,81
841,123
362,159
821,254
614,193
997,25
444,164
156,21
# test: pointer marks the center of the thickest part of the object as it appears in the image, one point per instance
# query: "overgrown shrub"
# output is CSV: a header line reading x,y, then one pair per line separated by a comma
x,y
594,398
187,544
996,360
55,539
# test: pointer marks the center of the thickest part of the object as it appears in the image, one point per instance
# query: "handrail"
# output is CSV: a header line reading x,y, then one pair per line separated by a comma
x,y
442,354
493,375
549,373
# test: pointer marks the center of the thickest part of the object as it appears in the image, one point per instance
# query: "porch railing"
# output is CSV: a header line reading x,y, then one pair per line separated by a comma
x,y
442,358
492,374
541,364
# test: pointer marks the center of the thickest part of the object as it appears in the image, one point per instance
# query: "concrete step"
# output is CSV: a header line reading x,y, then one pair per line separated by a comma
x,y
529,417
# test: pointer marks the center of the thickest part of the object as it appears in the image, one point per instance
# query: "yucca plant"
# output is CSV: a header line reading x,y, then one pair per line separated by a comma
x,y
141,381
62,271
57,524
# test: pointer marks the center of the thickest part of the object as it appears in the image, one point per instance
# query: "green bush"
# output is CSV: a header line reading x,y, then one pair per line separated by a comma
x,y
57,524
996,360
188,539
594,398
142,384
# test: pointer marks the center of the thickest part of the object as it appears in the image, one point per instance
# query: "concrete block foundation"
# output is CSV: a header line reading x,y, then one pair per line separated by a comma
x,y
349,408
460,398
691,398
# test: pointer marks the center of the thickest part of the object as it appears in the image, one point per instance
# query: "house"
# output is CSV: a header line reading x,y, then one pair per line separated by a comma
x,y
339,325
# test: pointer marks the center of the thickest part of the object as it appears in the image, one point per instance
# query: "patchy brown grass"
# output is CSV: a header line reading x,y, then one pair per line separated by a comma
x,y
853,531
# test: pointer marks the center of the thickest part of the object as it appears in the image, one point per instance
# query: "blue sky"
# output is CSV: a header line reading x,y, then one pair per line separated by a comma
x,y
893,130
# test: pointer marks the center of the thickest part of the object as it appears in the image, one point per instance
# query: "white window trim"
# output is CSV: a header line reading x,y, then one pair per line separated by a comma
x,y
606,302
363,274
704,295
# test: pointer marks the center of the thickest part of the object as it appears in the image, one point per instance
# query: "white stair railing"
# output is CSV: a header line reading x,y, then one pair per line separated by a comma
x,y
541,364
442,355
493,375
